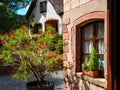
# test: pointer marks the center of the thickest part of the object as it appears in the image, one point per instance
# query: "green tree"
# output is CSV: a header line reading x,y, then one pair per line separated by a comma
x,y
8,18
93,63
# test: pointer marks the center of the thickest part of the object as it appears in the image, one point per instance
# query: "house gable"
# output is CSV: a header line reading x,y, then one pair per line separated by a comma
x,y
57,4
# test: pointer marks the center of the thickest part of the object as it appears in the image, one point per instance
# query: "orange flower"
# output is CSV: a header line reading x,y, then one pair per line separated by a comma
x,y
20,31
54,56
3,57
2,42
59,61
13,38
42,46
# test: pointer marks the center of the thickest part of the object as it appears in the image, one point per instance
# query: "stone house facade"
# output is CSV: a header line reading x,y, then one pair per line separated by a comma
x,y
85,25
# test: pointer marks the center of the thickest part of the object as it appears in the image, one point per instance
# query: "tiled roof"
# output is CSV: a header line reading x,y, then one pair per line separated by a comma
x,y
57,4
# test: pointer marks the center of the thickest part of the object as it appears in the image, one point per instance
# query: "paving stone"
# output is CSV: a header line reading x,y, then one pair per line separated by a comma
x,y
8,83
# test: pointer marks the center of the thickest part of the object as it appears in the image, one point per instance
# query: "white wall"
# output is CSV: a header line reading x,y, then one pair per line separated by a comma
x,y
51,14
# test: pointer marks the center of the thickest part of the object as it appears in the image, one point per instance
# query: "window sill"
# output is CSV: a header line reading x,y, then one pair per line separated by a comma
x,y
101,82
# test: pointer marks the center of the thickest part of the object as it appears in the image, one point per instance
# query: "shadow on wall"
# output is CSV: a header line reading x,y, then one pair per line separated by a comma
x,y
71,81
85,85
75,83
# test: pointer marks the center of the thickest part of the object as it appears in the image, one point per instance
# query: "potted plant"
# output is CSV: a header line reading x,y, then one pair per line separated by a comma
x,y
91,67
31,56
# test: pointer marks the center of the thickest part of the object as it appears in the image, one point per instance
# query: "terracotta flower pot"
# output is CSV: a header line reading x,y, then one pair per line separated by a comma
x,y
93,74
45,85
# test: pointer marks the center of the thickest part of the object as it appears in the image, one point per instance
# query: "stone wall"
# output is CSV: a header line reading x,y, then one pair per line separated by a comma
x,y
76,13
81,82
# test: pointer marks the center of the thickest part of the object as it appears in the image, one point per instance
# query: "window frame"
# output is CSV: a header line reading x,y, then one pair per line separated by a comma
x,y
94,40
43,6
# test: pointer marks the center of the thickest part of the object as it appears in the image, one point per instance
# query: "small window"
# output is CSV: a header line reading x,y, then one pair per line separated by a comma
x,y
43,6
36,28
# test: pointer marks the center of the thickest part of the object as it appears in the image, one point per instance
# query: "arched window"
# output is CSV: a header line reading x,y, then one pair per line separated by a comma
x,y
92,35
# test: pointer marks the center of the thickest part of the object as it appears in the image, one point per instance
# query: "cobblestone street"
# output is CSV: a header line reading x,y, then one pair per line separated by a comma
x,y
8,83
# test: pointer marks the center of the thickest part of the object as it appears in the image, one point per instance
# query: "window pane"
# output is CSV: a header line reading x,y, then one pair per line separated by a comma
x,y
36,28
100,29
86,58
88,32
100,46
88,46
43,6
101,62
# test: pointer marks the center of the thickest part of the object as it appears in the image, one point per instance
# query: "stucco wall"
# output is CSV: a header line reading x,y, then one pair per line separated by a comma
x,y
51,14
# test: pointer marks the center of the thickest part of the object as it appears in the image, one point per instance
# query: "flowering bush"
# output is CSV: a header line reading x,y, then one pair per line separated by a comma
x,y
31,55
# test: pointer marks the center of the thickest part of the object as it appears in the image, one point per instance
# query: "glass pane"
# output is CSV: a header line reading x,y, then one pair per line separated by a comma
x,y
88,46
88,31
86,58
101,62
100,29
100,47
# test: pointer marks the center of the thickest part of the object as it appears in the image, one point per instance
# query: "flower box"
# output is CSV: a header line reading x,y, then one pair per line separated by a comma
x,y
93,74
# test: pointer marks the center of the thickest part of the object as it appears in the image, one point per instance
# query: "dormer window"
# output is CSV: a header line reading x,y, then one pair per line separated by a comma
x,y
43,6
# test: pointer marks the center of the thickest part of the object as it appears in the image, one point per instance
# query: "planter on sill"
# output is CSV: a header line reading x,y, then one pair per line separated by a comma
x,y
93,74
46,85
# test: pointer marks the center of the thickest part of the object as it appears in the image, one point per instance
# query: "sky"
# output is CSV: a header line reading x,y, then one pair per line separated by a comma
x,y
23,11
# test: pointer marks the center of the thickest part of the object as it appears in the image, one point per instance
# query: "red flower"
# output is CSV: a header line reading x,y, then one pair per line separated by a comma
x,y
48,57
50,33
2,42
50,25
23,25
11,33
